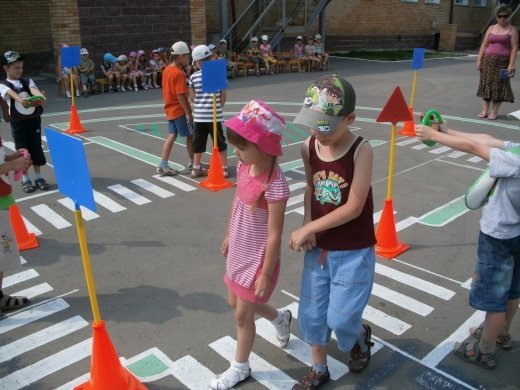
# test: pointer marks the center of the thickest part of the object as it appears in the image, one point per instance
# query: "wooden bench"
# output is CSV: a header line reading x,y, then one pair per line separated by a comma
x,y
101,83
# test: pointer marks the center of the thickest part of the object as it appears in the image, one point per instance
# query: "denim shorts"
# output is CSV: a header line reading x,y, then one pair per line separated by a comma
x,y
497,274
333,295
180,126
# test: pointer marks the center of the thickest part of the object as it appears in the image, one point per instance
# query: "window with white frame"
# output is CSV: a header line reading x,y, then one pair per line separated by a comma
x,y
432,1
461,2
479,3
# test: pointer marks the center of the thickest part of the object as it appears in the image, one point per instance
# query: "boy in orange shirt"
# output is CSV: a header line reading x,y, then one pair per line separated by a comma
x,y
176,106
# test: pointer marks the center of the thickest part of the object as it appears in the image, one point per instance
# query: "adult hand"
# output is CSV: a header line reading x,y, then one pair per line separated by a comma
x,y
511,70
20,164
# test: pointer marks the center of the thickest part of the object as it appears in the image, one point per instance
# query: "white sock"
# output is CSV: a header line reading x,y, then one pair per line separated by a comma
x,y
279,318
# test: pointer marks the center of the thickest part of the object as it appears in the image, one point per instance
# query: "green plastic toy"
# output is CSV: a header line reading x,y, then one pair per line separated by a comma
x,y
433,119
35,99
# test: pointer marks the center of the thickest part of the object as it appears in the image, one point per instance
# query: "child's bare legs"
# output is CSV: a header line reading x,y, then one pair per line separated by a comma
x,y
497,324
246,329
154,77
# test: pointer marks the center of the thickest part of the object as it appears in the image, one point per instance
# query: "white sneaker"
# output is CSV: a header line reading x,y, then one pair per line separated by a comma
x,y
119,89
77,93
68,94
283,330
156,85
229,378
145,87
123,89
167,171
136,89
199,172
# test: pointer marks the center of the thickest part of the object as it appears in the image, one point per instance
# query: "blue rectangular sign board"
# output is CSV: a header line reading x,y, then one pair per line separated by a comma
x,y
418,58
70,56
214,76
71,169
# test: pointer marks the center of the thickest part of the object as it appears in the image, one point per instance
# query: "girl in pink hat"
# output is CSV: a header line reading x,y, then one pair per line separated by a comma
x,y
252,242
134,74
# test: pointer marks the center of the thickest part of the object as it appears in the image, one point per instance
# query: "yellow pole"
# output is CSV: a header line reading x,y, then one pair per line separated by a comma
x,y
71,75
413,87
214,120
86,265
391,165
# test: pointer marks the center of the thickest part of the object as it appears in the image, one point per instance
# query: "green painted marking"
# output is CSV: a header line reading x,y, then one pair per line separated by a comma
x,y
132,152
147,367
139,127
445,214
155,130
287,166
291,136
294,127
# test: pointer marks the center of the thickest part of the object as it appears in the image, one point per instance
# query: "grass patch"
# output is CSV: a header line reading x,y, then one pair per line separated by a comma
x,y
393,55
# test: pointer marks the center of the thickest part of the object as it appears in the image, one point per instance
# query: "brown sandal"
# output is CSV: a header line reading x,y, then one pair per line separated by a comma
x,y
358,360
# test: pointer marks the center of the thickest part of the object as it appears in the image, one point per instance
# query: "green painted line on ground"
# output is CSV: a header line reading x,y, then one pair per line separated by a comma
x,y
287,166
149,366
155,130
139,127
132,152
294,127
291,136
445,213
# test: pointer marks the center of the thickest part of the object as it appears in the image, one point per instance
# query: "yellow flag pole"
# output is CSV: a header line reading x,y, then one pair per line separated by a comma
x,y
86,265
214,120
413,87
71,75
391,164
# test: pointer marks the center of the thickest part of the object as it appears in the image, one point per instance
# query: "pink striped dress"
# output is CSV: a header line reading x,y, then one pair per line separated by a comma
x,y
248,231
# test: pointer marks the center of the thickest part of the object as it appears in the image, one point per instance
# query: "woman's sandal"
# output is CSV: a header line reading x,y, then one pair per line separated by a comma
x,y
8,302
503,340
358,360
470,352
492,117
27,187
483,115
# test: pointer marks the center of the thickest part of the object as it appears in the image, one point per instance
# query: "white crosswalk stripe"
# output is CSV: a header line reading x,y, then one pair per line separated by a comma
x,y
129,194
176,183
51,216
87,214
161,192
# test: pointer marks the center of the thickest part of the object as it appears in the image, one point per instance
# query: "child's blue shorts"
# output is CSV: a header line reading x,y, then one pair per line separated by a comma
x,y
334,294
497,274
180,126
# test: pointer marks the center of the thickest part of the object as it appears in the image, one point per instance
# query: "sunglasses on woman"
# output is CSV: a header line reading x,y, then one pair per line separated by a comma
x,y
502,16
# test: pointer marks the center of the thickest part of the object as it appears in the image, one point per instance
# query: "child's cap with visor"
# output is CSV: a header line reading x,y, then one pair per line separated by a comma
x,y
260,124
200,52
11,56
327,102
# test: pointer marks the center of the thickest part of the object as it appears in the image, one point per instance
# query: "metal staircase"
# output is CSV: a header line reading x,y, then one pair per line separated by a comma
x,y
276,18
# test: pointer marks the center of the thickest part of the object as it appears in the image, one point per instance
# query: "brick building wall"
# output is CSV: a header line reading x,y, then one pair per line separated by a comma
x,y
24,27
126,25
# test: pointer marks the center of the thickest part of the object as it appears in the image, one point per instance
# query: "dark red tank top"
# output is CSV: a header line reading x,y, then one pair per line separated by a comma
x,y
331,188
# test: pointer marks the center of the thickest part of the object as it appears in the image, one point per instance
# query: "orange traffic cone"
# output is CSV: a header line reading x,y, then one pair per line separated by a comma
x,y
106,371
387,243
409,126
75,125
216,180
24,239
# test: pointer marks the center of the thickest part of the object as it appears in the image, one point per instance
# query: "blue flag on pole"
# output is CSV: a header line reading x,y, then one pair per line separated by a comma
x,y
418,58
214,76
70,56
70,167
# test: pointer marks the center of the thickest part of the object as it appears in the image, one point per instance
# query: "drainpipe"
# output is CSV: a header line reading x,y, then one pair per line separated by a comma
x,y
223,12
450,19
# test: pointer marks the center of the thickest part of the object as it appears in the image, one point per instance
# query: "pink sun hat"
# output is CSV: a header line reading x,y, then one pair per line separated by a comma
x,y
260,124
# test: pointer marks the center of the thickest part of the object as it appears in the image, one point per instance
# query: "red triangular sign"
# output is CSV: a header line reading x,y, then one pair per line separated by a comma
x,y
395,109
